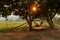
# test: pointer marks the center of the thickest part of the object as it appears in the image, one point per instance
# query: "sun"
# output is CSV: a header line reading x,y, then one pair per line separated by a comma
x,y
34,8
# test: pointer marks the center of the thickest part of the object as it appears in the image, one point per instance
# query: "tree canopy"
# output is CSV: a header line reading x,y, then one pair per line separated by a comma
x,y
47,8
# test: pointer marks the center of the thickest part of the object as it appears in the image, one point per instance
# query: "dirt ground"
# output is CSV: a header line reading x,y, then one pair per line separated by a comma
x,y
33,35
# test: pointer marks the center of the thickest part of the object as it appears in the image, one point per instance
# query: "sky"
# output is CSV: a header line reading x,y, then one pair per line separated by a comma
x,y
16,17
11,17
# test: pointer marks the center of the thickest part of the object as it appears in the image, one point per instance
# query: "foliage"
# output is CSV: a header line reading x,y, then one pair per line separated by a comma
x,y
48,9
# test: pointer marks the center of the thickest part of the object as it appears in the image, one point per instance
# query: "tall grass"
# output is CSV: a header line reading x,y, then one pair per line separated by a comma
x,y
6,26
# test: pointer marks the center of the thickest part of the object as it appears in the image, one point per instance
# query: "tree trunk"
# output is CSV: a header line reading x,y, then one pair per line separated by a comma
x,y
51,24
30,24
29,20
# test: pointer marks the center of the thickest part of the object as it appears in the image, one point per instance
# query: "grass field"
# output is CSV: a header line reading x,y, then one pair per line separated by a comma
x,y
7,26
26,35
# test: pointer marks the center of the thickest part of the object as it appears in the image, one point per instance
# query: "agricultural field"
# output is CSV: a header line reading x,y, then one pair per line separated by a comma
x,y
7,25
17,30
10,25
26,35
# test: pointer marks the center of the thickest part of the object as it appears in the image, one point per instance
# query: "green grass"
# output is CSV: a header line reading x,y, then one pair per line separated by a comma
x,y
56,22
6,26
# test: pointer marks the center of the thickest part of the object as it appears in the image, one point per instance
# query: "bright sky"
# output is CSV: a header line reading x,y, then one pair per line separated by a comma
x,y
14,17
10,18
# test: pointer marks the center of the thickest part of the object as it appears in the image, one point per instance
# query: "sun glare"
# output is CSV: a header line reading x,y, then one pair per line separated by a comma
x,y
34,9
